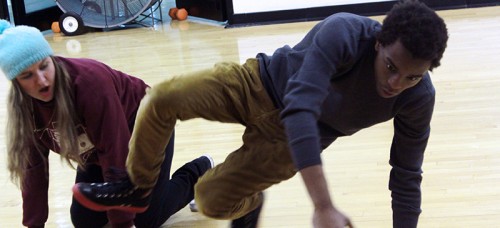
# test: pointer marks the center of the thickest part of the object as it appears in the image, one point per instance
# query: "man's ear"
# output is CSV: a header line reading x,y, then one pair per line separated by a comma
x,y
377,45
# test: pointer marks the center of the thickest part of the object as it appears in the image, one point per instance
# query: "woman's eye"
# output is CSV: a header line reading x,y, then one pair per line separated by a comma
x,y
25,76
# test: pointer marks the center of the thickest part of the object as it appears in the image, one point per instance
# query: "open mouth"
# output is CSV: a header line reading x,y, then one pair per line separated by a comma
x,y
44,89
45,93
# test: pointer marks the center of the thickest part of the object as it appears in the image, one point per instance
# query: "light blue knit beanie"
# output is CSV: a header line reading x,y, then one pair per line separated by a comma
x,y
20,47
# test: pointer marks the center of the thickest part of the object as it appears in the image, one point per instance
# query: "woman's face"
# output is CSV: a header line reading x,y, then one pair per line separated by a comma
x,y
38,80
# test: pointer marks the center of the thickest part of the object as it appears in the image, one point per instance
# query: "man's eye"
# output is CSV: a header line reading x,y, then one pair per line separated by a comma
x,y
414,78
391,68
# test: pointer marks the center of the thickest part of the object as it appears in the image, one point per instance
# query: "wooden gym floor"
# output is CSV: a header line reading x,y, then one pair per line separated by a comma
x,y
461,185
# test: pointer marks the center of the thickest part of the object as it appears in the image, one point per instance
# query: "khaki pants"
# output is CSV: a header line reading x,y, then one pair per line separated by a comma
x,y
230,93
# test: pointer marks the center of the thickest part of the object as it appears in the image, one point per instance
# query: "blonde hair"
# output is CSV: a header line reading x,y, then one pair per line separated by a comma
x,y
21,139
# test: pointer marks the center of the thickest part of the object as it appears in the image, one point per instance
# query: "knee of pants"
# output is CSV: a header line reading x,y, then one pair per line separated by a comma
x,y
85,218
164,94
148,221
209,202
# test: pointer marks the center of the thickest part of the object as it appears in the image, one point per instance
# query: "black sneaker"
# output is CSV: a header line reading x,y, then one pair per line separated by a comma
x,y
249,220
121,195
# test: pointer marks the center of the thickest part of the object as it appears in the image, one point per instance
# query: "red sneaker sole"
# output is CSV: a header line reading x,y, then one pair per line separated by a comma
x,y
98,207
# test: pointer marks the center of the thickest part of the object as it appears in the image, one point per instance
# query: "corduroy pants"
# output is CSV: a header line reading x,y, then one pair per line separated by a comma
x,y
229,93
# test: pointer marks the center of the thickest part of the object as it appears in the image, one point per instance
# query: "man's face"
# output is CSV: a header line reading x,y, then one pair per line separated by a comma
x,y
396,70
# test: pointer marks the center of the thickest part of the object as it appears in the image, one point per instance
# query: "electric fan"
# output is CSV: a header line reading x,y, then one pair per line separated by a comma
x,y
99,13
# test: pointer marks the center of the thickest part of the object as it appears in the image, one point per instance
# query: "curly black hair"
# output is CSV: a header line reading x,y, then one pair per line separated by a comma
x,y
419,29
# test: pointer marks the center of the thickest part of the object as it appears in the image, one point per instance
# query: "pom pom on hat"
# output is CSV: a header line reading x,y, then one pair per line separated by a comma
x,y
21,47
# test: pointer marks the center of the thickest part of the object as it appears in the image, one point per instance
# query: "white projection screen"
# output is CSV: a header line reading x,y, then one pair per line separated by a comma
x,y
255,6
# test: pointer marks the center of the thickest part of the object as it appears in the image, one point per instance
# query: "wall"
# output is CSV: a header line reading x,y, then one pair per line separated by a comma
x,y
244,12
36,5
245,6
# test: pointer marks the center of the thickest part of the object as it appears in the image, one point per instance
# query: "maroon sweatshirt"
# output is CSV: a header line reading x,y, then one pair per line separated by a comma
x,y
106,101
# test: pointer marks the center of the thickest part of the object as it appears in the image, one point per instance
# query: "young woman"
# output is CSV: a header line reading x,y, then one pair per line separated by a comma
x,y
85,111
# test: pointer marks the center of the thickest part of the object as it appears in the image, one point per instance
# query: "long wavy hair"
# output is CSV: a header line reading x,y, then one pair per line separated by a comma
x,y
21,141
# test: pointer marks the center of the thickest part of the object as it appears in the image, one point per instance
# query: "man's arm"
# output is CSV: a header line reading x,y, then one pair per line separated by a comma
x,y
325,213
411,134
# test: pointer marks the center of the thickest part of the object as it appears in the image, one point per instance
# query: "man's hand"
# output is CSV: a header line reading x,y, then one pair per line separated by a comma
x,y
325,213
330,218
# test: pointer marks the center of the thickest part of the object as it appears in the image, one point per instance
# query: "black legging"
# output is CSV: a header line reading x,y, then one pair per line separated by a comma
x,y
169,195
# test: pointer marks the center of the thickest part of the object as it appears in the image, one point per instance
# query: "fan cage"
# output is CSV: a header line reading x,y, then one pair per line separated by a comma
x,y
106,13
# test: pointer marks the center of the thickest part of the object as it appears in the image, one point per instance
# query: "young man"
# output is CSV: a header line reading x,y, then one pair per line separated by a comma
x,y
348,73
